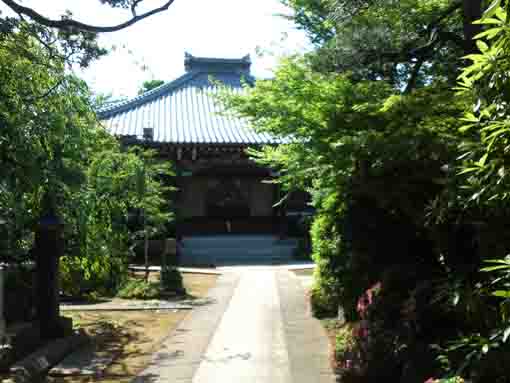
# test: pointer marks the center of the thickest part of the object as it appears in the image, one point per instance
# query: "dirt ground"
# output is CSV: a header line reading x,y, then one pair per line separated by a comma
x,y
131,337
332,327
197,285
304,272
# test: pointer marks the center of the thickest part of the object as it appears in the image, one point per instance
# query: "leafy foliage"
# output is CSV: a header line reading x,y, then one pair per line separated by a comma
x,y
47,132
139,289
171,280
487,125
408,42
56,157
313,18
102,234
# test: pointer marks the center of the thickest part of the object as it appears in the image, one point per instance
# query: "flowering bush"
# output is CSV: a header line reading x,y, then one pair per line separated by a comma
x,y
367,299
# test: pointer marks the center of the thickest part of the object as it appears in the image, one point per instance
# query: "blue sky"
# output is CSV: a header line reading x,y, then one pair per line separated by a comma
x,y
212,28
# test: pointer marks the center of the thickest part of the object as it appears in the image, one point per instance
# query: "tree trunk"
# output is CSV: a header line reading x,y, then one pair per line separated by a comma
x,y
146,247
413,78
472,11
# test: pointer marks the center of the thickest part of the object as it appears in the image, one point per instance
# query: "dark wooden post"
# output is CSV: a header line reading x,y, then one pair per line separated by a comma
x,y
49,246
282,216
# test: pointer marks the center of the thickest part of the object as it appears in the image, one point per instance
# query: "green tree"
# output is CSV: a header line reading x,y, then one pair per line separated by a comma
x,y
56,157
149,85
98,214
406,42
45,121
370,124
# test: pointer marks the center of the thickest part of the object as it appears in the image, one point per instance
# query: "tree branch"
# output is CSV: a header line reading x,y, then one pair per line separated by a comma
x,y
453,37
435,35
49,91
70,24
133,7
448,11
411,84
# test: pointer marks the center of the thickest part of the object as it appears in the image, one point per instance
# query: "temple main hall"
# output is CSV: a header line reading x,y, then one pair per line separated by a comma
x,y
220,190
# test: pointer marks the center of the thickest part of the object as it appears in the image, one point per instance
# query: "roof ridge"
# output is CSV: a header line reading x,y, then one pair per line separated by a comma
x,y
138,100
152,94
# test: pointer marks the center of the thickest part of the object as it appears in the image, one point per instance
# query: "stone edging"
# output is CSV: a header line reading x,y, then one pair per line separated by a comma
x,y
39,362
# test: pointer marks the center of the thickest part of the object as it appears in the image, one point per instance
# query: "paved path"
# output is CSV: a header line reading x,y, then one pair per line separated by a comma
x,y
257,329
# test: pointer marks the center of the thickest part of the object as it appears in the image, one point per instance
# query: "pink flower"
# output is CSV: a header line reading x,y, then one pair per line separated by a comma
x,y
367,299
361,330
431,380
362,305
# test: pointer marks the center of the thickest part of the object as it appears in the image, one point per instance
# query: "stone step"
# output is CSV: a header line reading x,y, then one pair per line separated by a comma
x,y
242,253
248,261
204,257
236,250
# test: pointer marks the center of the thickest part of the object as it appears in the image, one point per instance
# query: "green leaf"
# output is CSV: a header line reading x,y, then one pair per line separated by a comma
x,y
483,160
504,261
470,117
489,20
501,293
468,170
491,10
482,46
494,268
476,58
490,33
465,128
500,14
506,334
497,133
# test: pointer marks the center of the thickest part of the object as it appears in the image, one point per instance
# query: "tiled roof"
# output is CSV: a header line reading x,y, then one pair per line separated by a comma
x,y
184,111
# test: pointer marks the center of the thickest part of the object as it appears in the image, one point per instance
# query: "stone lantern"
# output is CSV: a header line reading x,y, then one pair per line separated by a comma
x,y
49,247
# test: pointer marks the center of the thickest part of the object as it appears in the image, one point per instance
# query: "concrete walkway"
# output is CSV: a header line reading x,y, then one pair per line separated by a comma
x,y
256,329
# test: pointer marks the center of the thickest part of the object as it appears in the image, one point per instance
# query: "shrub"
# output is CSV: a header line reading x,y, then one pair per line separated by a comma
x,y
325,297
344,344
139,289
335,282
101,274
171,280
324,305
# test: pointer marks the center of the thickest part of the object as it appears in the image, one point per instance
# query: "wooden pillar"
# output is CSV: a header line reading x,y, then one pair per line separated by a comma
x,y
283,221
280,213
49,247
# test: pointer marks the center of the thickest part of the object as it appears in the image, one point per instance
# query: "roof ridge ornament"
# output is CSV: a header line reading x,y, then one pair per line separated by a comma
x,y
217,65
